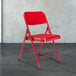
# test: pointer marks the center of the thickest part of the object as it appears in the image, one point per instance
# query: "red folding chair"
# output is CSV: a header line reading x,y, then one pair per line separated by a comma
x,y
35,18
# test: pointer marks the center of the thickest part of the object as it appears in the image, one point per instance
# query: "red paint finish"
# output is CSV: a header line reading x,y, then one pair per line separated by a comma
x,y
35,18
30,48
43,37
47,54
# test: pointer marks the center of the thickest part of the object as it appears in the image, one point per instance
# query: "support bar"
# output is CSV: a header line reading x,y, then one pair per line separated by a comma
x,y
47,54
30,47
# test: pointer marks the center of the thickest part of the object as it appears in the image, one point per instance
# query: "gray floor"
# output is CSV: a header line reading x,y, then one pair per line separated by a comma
x,y
10,66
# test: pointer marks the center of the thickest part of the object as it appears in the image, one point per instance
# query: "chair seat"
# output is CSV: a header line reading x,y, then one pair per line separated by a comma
x,y
44,37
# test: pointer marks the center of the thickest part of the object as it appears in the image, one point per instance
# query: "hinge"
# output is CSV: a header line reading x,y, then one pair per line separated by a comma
x,y
47,28
27,30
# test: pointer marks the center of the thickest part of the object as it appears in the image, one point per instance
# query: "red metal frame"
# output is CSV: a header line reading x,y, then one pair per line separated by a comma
x,y
34,18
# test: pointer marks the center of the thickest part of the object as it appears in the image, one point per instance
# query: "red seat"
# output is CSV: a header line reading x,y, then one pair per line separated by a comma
x,y
43,37
36,18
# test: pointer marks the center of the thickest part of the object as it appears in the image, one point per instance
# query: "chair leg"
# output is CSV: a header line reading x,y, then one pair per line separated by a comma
x,y
36,55
22,48
56,51
40,48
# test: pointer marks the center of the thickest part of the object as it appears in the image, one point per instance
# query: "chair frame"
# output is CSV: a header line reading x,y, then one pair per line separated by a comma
x,y
38,55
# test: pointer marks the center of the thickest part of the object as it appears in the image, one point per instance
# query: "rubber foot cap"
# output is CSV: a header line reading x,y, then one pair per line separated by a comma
x,y
18,59
39,54
59,62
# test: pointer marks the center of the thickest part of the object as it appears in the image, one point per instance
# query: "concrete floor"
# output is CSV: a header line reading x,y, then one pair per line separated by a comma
x,y
10,66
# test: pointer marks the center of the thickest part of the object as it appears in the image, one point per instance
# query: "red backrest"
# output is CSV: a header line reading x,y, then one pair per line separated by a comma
x,y
34,18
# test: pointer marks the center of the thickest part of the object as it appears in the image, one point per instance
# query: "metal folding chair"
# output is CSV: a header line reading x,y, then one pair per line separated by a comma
x,y
36,18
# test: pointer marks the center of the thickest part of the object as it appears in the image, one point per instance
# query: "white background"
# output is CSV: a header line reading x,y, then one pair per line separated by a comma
x,y
61,15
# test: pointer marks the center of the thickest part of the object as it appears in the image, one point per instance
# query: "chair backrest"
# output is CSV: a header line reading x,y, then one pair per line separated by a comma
x,y
34,18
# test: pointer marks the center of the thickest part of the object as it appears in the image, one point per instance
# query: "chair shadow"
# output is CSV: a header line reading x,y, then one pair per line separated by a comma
x,y
33,65
36,66
50,58
54,60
